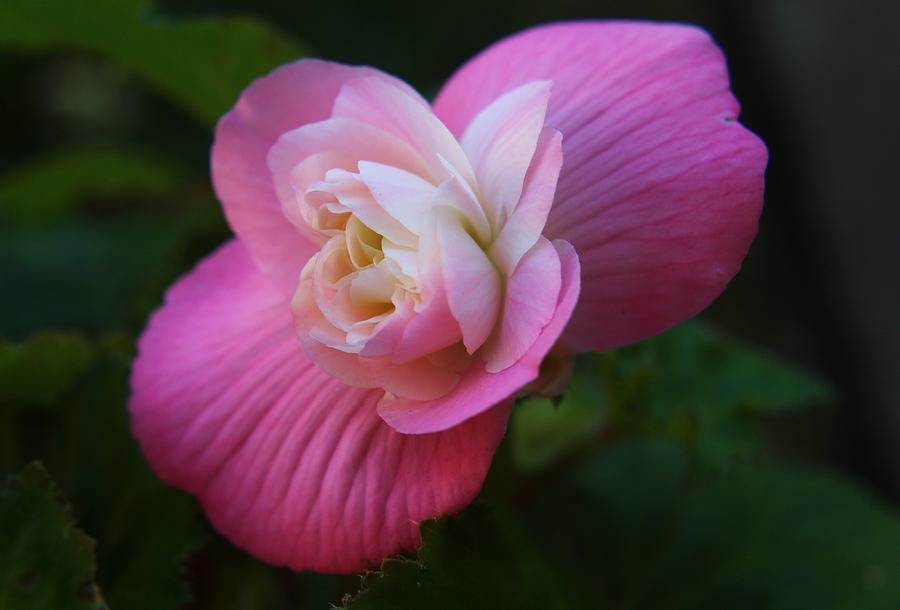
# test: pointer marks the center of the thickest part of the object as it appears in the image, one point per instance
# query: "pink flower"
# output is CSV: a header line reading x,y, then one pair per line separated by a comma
x,y
344,368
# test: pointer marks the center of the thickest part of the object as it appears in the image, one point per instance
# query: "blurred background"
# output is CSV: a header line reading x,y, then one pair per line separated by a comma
x,y
105,199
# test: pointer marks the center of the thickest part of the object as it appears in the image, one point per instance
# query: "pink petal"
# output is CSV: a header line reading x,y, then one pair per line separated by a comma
x,y
526,309
500,143
660,190
431,329
458,193
288,463
416,379
290,96
523,228
302,157
386,106
478,389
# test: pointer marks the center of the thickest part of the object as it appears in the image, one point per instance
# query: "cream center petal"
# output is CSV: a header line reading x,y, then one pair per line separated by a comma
x,y
363,244
404,263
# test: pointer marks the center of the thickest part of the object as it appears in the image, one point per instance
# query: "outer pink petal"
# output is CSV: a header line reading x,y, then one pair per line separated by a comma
x,y
478,389
660,190
288,463
290,96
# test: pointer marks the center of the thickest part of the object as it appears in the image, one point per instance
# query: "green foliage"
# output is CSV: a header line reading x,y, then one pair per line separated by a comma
x,y
102,275
201,64
146,530
694,368
43,368
653,529
696,384
644,525
544,430
47,187
45,561
691,383
477,560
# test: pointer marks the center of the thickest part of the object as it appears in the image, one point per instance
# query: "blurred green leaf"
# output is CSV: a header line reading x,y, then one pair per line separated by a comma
x,y
542,430
46,187
691,383
201,64
98,276
698,385
41,369
650,530
472,561
693,366
45,561
146,529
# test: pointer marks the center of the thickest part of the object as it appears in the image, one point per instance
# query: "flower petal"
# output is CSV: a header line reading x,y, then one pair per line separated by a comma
x,y
304,155
416,379
393,109
288,463
523,228
661,188
472,282
500,143
290,96
404,195
526,311
479,389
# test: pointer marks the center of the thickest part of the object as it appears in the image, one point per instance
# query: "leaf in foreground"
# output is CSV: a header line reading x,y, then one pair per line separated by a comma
x,y
468,562
45,561
543,430
647,529
146,529
692,384
697,384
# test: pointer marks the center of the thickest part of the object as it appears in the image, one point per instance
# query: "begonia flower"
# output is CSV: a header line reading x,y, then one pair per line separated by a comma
x,y
344,368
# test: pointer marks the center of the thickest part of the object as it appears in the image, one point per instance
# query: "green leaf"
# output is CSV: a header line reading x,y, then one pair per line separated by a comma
x,y
202,64
45,561
97,276
694,366
147,530
46,187
469,562
543,430
651,530
43,368
698,385
691,383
